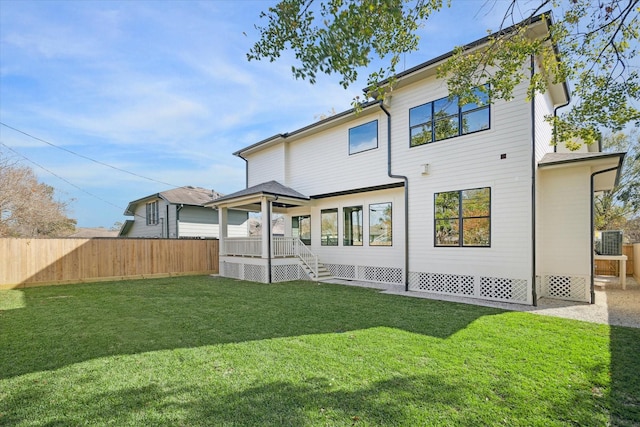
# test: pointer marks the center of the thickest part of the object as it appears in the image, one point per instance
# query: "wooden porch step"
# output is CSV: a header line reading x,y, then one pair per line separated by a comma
x,y
323,273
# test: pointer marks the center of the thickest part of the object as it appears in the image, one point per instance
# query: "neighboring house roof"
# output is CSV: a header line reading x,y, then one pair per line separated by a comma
x,y
89,232
414,73
124,230
188,195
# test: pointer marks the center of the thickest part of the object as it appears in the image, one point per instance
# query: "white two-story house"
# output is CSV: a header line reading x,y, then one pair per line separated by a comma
x,y
426,194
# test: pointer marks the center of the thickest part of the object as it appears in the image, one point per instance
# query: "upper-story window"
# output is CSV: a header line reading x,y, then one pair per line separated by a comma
x,y
152,213
445,118
363,137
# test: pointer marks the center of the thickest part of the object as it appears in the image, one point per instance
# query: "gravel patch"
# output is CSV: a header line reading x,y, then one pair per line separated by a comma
x,y
613,306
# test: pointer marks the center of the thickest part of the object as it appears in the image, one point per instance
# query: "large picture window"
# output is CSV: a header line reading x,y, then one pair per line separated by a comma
x,y
152,213
363,137
444,118
352,226
380,224
463,218
329,227
301,228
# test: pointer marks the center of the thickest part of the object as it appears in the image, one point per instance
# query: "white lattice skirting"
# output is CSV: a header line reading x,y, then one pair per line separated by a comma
x,y
572,288
287,272
391,275
258,273
491,288
250,272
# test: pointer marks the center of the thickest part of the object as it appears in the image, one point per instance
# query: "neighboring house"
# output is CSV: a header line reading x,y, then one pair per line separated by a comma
x,y
426,194
91,232
180,213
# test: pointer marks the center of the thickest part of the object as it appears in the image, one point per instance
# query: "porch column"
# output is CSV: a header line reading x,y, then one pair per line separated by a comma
x,y
266,227
222,225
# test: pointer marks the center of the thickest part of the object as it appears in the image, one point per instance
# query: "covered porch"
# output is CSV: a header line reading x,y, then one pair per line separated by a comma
x,y
265,258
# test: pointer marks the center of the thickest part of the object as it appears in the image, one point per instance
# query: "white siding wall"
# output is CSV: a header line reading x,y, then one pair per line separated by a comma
x,y
140,227
384,256
321,163
544,131
380,263
267,165
203,222
565,221
564,237
198,222
467,162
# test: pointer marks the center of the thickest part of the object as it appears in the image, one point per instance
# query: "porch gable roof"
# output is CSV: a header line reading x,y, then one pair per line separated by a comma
x,y
282,195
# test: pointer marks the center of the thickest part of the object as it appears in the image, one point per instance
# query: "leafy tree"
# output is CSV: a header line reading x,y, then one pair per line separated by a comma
x,y
28,207
596,41
613,208
632,230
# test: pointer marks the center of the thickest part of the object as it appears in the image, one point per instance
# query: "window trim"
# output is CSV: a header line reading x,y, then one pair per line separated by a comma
x,y
345,211
390,222
305,241
431,123
337,239
351,153
152,213
460,218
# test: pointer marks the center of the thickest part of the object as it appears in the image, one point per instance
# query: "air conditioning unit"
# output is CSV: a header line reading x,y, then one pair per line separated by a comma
x,y
611,242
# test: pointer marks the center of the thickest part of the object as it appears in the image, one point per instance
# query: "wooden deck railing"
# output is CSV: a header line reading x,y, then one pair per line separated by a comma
x,y
283,247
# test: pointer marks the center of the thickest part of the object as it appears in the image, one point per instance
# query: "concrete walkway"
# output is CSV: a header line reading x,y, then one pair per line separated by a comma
x,y
613,305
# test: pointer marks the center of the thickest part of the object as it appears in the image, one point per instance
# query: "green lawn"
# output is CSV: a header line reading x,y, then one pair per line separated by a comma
x,y
194,351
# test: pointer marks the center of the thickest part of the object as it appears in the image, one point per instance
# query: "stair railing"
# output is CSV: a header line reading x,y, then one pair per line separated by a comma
x,y
293,246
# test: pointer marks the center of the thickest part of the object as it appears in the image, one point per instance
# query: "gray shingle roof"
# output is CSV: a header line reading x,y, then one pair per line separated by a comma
x,y
271,188
189,195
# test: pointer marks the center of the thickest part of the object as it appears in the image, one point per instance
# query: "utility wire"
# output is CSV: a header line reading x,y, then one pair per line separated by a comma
x,y
65,180
86,157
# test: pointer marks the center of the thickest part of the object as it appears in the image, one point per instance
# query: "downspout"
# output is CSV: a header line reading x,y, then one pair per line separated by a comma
x,y
555,114
406,198
534,293
178,209
246,171
593,259
268,224
167,221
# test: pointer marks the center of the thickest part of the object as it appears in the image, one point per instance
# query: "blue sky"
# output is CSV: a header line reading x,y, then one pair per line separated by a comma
x,y
162,89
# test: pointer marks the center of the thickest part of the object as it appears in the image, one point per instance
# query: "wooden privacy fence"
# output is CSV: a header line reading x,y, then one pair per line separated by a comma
x,y
38,262
610,268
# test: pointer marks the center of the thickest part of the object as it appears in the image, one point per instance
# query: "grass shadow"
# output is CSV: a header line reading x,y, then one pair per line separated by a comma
x,y
63,325
624,394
